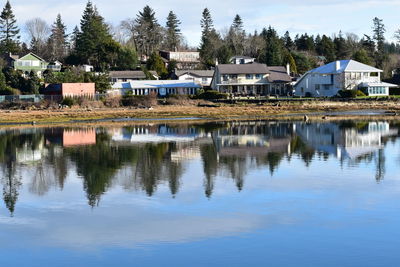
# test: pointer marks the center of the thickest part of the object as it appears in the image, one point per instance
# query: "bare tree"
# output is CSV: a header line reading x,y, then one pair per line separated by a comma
x,y
39,32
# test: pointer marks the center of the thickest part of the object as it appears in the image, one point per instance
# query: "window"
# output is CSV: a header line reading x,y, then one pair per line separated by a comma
x,y
327,86
317,87
249,76
204,80
258,76
225,78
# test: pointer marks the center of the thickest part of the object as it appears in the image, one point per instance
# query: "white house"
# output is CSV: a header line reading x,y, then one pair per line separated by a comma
x,y
202,77
241,60
251,79
159,87
327,80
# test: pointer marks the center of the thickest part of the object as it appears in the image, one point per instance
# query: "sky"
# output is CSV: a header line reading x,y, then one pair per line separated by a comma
x,y
311,16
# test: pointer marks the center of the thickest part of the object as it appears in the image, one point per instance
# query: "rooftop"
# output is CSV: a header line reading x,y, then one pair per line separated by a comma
x,y
254,68
130,74
278,74
345,66
198,73
155,84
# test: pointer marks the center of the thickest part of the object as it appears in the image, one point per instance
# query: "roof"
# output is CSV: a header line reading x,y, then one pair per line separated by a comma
x,y
130,74
198,73
345,66
244,57
254,68
278,74
379,84
145,84
30,54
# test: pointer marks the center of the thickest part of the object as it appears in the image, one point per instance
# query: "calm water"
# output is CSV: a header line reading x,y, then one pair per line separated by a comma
x,y
216,194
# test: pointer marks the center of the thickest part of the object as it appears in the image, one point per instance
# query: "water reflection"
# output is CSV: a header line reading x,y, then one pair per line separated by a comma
x,y
141,158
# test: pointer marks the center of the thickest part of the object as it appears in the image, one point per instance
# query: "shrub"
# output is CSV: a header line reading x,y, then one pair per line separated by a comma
x,y
112,101
140,101
211,95
394,91
360,93
347,93
68,101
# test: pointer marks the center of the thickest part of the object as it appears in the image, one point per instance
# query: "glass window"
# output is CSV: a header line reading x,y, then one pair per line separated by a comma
x,y
249,76
317,86
258,76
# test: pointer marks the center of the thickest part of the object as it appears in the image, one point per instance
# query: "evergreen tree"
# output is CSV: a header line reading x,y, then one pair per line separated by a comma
x,y
147,32
156,63
94,43
58,41
342,50
325,47
363,57
236,36
9,32
173,32
379,37
273,50
287,41
210,40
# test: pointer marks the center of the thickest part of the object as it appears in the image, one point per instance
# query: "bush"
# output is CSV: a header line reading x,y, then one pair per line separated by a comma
x,y
112,101
394,91
360,93
211,95
140,101
68,101
347,93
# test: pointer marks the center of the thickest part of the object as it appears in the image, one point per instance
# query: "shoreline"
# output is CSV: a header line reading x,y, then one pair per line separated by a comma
x,y
171,113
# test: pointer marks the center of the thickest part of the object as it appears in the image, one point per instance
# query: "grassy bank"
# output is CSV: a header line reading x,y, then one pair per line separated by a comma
x,y
235,111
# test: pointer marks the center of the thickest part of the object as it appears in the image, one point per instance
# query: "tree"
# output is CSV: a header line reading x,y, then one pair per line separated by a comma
x,y
379,37
236,36
363,57
210,40
156,63
326,47
126,59
173,32
287,41
9,32
273,49
39,32
147,32
58,41
94,43
342,50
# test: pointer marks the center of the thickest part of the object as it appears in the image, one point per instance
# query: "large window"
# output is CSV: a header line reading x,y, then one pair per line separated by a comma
x,y
249,76
258,76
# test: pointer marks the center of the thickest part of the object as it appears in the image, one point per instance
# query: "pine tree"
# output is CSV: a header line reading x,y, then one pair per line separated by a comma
x,y
94,43
9,32
342,50
147,32
325,47
236,36
273,50
210,40
379,37
58,41
287,41
173,32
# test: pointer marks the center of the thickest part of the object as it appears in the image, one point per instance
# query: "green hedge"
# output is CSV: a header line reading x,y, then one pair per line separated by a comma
x,y
211,95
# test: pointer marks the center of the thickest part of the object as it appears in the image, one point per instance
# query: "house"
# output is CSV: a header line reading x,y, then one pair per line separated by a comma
x,y
130,75
160,87
241,60
251,79
202,77
327,80
86,68
184,59
31,62
70,89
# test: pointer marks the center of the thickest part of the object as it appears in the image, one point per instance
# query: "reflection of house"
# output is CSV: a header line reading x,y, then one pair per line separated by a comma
x,y
251,79
327,80
27,155
70,137
202,77
346,142
154,134
158,87
253,138
130,75
187,60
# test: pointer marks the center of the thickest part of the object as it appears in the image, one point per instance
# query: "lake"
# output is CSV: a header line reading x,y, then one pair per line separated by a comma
x,y
250,193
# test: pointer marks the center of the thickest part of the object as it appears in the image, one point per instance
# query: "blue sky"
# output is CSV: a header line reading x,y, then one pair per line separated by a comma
x,y
310,16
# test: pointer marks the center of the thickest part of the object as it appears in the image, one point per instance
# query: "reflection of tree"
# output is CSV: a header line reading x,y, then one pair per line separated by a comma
x,y
306,153
11,184
237,168
380,166
210,167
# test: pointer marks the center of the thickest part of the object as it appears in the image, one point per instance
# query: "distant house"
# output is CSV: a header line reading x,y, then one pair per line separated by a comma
x,y
202,77
184,59
31,62
70,89
130,75
327,80
241,60
86,68
160,87
251,79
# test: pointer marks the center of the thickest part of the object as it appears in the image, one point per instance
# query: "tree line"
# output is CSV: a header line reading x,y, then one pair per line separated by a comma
x,y
137,40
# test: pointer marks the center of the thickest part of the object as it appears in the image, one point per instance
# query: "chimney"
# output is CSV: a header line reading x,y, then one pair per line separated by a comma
x,y
288,69
337,65
216,62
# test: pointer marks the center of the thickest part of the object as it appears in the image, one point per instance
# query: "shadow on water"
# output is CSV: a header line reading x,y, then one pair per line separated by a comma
x,y
140,158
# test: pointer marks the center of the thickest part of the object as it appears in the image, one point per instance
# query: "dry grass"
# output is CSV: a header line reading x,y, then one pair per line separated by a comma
x,y
175,111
